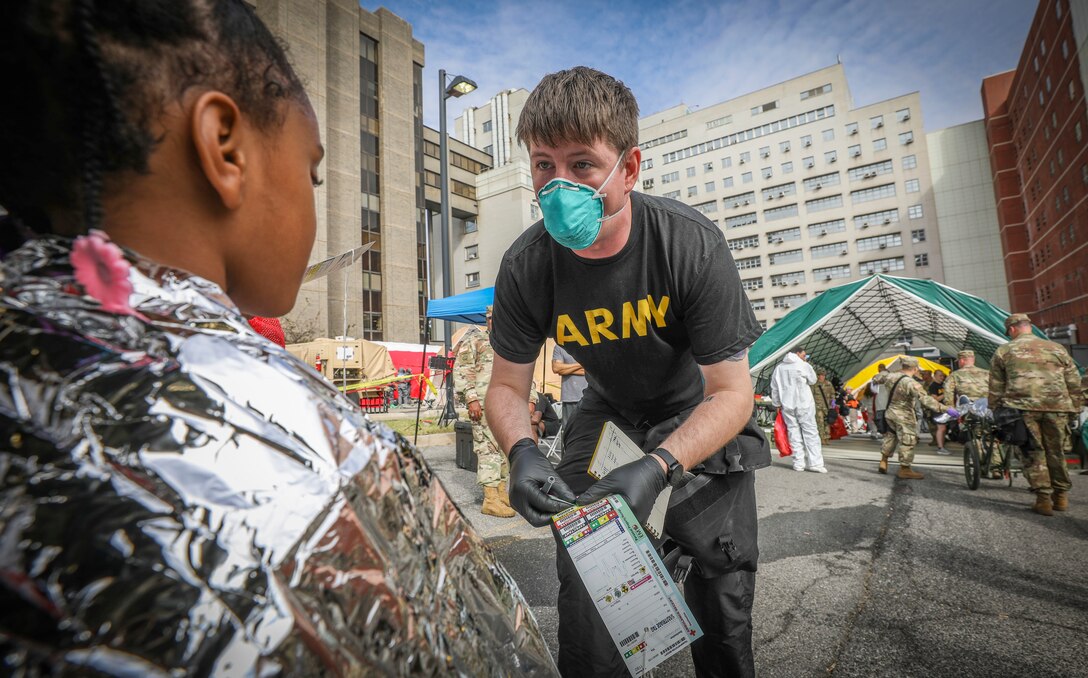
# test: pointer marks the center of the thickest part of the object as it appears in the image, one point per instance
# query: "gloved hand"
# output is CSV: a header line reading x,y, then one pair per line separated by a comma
x,y
953,412
529,472
639,482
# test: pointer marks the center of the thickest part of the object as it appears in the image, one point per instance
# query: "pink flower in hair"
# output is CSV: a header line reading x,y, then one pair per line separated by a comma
x,y
102,270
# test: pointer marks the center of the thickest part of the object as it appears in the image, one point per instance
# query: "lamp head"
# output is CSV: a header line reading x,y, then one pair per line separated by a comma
x,y
460,86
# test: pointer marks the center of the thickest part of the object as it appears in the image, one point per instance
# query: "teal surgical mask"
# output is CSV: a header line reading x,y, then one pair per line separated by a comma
x,y
573,212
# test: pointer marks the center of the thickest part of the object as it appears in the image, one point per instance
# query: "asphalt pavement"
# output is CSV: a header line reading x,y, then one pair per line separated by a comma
x,y
864,574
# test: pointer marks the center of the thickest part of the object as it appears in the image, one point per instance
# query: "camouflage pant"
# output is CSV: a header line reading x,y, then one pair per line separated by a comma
x,y
902,434
1044,467
491,467
822,426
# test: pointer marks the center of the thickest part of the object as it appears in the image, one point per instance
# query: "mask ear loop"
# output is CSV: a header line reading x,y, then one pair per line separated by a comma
x,y
598,194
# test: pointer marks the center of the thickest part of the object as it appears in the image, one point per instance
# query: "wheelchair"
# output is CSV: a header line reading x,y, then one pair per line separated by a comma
x,y
982,442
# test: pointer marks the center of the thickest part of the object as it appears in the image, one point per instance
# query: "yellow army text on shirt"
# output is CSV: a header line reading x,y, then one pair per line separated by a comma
x,y
1036,375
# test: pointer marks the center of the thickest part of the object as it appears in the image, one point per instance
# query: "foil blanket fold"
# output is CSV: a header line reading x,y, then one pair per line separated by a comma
x,y
179,496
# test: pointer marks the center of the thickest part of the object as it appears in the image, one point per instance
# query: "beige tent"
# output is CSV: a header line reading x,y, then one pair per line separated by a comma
x,y
353,360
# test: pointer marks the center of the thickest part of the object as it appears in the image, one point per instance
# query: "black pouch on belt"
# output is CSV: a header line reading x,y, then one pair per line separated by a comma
x,y
712,519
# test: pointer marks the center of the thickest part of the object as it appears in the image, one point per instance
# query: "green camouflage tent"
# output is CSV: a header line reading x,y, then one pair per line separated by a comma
x,y
847,327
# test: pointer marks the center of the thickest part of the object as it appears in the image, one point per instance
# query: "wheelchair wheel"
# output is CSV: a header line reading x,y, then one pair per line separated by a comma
x,y
971,470
1009,451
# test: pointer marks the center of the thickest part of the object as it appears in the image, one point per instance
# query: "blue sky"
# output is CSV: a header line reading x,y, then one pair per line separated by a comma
x,y
702,53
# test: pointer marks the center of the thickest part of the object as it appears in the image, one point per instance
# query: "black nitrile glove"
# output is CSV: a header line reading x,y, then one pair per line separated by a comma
x,y
639,482
529,472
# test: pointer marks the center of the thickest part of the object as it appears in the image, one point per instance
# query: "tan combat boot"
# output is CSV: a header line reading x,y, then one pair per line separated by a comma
x,y
883,468
1060,500
906,473
494,506
1043,505
504,494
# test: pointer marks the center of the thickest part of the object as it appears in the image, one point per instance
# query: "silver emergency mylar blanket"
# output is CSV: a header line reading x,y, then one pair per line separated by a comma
x,y
181,497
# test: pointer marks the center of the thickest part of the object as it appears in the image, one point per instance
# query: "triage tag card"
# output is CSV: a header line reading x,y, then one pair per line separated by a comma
x,y
614,449
638,601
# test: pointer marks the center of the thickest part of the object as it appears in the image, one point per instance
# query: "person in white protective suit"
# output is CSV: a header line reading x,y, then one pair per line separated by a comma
x,y
791,393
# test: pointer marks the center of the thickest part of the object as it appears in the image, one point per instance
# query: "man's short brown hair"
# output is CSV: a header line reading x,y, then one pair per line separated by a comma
x,y
580,105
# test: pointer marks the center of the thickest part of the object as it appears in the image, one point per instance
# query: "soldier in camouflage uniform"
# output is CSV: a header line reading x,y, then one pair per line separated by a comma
x,y
904,394
1039,378
824,395
471,375
974,383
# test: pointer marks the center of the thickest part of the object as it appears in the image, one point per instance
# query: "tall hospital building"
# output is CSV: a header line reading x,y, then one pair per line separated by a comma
x,y
810,191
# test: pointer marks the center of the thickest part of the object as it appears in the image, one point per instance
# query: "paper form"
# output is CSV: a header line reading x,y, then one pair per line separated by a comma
x,y
637,600
615,449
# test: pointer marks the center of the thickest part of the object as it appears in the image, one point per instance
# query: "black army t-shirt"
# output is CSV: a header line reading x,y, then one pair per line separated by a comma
x,y
640,322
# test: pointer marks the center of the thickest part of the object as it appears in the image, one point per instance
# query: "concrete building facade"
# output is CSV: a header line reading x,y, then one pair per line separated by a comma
x,y
810,191
363,73
1036,125
492,127
959,164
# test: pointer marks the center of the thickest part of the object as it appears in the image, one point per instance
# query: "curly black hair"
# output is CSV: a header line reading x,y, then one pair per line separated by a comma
x,y
84,82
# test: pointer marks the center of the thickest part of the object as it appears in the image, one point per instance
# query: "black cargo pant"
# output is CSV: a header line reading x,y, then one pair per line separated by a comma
x,y
721,604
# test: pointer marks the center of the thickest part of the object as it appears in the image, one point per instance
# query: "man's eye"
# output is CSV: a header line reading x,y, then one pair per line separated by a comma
x,y
543,165
582,165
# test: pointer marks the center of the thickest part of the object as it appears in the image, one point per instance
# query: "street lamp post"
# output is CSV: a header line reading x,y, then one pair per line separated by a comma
x,y
459,86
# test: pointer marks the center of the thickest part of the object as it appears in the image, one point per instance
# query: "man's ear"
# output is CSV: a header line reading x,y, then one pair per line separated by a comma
x,y
219,141
632,164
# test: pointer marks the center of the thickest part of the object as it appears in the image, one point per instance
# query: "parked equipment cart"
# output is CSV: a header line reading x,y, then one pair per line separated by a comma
x,y
984,455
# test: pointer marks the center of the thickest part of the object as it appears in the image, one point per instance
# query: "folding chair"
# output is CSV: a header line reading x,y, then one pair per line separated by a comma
x,y
554,447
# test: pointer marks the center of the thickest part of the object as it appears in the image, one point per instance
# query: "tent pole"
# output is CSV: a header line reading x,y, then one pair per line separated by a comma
x,y
423,366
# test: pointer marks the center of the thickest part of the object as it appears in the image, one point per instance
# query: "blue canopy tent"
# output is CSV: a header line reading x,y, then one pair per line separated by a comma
x,y
469,307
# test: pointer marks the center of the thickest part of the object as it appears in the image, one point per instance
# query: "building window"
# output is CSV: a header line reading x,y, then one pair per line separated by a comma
x,y
806,140
663,140
693,191
472,279
648,163
780,213
884,217
719,122
854,151
765,152
647,184
784,147
787,168
834,249
787,257
880,144
870,171
879,242
709,187
672,195
769,106
881,266
472,252
875,193
831,272
470,226
824,228
912,186
784,235
787,279
670,177
1077,132
1047,82
831,156
851,128
707,207
708,167
789,301
1065,50
745,157
727,162
690,172
914,211
487,125
910,162
809,161
822,181
490,150
746,178
740,243
759,304
918,235
902,115
752,284
780,191
766,172
921,259
727,182
821,204
815,91
876,122
829,134
749,262
740,220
